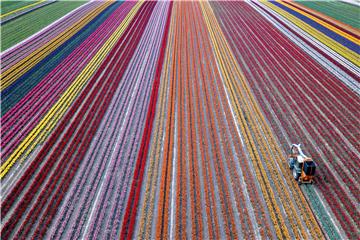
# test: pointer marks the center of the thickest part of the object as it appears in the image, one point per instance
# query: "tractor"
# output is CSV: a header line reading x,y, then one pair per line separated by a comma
x,y
303,167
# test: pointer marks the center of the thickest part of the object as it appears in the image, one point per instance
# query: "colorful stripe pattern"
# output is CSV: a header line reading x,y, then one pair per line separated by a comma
x,y
163,120
22,24
339,10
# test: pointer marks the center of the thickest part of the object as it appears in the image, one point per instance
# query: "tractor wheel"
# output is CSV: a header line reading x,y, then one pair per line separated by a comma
x,y
295,174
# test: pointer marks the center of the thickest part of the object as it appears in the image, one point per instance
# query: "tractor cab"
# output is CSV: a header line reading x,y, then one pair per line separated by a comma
x,y
303,167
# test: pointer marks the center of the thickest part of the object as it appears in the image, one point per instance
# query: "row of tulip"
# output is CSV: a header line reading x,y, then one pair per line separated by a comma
x,y
346,99
78,213
18,89
195,89
151,181
341,11
350,55
252,152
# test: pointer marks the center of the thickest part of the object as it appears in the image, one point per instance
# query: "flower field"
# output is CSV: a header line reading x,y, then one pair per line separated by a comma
x,y
167,120
39,14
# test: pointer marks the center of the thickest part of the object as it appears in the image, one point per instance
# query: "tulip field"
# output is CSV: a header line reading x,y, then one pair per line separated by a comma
x,y
174,119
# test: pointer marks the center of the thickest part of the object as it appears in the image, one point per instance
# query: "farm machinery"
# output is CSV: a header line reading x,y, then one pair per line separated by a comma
x,y
303,167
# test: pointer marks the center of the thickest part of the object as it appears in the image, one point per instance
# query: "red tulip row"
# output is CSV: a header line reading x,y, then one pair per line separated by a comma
x,y
270,72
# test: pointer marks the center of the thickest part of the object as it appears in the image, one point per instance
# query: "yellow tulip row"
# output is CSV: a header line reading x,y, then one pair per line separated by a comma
x,y
47,124
246,115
